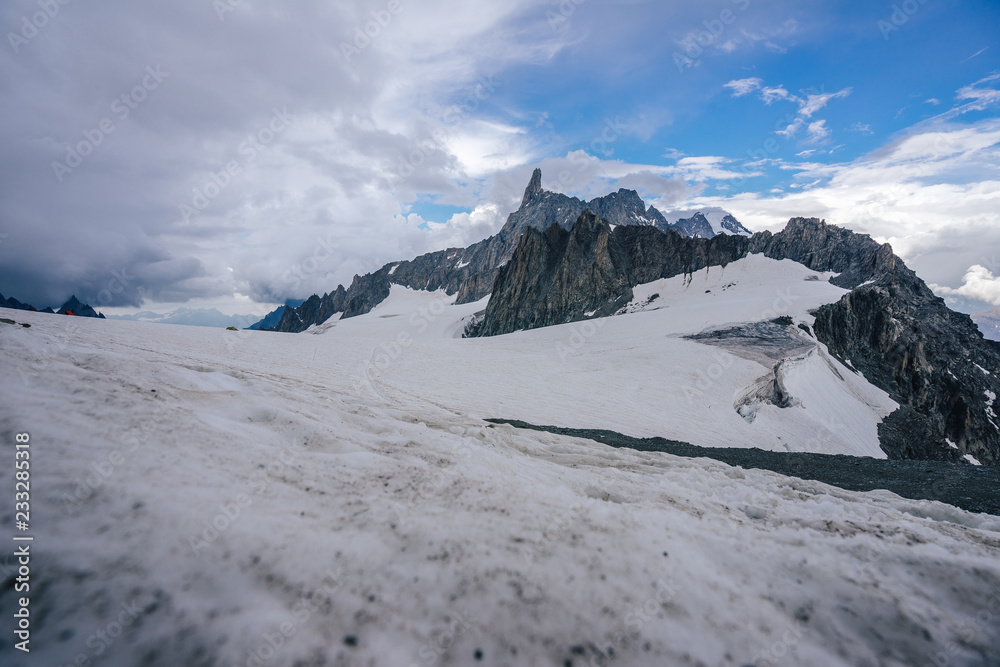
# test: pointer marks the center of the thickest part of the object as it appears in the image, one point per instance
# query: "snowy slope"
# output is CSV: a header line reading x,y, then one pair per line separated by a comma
x,y
635,374
334,499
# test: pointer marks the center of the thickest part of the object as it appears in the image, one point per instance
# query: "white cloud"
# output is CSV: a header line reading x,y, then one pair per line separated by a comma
x,y
980,95
809,104
818,131
772,93
978,283
741,87
792,129
705,167
815,102
933,193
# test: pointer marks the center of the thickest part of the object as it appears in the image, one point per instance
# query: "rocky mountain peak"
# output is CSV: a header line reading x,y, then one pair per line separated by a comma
x,y
75,307
733,226
534,189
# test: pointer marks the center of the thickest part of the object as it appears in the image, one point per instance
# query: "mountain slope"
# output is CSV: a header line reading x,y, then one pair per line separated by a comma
x,y
890,327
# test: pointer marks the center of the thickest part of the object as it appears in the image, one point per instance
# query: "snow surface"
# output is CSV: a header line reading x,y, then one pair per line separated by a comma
x,y
362,507
635,374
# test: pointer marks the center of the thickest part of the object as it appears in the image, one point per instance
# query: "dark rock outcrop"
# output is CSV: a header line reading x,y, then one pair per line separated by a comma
x,y
269,321
890,327
559,275
313,310
933,361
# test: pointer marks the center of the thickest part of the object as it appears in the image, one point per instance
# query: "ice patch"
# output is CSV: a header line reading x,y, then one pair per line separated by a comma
x,y
990,414
972,459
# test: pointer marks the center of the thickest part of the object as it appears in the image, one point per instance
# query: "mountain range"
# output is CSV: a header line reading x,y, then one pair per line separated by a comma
x,y
470,271
73,306
209,317
199,317
559,260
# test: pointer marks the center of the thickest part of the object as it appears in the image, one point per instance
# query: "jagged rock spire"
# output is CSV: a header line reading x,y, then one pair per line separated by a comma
x,y
534,187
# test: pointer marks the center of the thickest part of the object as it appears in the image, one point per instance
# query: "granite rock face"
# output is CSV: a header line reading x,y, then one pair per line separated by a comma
x,y
933,361
559,275
469,273
890,327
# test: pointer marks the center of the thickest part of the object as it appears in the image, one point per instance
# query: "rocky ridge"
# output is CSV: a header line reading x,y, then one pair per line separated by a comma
x,y
469,272
72,307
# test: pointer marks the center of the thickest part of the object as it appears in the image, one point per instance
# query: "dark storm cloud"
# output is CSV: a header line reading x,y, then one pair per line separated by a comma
x,y
114,112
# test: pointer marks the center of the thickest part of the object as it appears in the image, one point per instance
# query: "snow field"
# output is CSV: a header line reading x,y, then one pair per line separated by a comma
x,y
335,499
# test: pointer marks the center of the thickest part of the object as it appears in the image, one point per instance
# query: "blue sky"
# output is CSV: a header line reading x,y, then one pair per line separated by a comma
x,y
879,116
